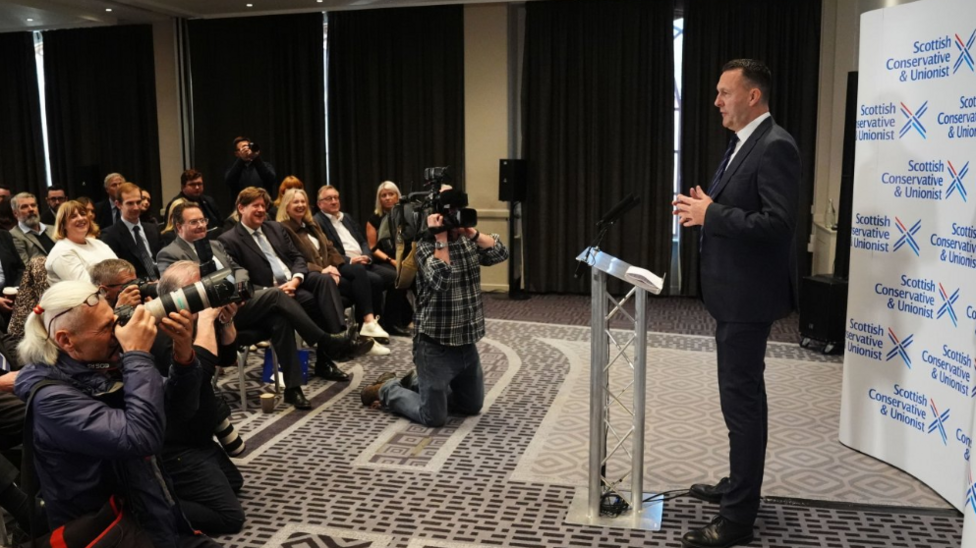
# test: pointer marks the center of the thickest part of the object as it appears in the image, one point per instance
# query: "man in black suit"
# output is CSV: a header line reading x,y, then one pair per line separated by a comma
x,y
11,269
106,212
191,188
131,239
348,238
55,197
748,280
264,249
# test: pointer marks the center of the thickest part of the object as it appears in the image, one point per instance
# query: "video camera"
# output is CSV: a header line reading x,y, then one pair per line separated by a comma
x,y
452,204
213,290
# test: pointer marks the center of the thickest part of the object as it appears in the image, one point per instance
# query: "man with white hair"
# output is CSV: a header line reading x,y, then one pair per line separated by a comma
x,y
106,212
31,237
99,425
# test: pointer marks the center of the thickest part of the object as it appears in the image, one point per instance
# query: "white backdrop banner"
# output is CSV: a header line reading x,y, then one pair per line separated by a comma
x,y
909,382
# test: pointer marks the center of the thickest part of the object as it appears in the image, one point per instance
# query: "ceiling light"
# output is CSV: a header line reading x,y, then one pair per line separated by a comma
x,y
108,9
29,20
319,1
250,5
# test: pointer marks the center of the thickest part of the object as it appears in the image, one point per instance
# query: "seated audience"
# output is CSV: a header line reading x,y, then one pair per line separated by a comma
x,y
97,430
191,188
270,311
287,183
381,238
249,169
321,256
76,246
347,237
32,237
55,197
106,212
205,479
130,238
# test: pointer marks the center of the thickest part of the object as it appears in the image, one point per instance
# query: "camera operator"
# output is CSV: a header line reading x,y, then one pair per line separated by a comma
x,y
204,478
249,169
98,429
450,321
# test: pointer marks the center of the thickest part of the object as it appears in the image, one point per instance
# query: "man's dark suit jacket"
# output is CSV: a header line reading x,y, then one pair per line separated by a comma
x,y
357,232
748,259
241,246
123,244
48,215
207,204
104,215
181,250
13,265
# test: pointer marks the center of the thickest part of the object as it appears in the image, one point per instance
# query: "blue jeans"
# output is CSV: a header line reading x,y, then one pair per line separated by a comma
x,y
445,374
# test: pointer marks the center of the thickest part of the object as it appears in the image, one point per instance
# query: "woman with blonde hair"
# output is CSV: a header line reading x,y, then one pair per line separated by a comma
x,y
321,256
168,234
76,248
382,241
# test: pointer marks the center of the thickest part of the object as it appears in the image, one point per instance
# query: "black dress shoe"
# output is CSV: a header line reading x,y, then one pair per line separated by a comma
x,y
720,533
711,493
397,331
296,397
326,368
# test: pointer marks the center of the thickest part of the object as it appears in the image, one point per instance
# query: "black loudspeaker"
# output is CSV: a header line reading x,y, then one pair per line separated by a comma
x,y
511,180
842,251
823,311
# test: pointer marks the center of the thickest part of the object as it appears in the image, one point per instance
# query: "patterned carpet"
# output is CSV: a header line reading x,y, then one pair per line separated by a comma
x,y
344,475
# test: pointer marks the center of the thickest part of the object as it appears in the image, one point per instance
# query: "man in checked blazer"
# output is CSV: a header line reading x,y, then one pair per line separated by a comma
x,y
748,280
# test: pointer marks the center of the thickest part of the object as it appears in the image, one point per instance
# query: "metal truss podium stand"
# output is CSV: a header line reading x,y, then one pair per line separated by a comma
x,y
585,508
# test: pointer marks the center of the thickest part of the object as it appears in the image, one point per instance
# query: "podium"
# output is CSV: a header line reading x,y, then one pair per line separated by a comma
x,y
586,506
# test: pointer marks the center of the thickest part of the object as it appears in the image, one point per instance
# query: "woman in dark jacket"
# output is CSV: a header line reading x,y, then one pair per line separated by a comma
x,y
321,256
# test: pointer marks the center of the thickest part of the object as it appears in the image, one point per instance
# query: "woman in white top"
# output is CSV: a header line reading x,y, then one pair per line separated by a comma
x,y
76,248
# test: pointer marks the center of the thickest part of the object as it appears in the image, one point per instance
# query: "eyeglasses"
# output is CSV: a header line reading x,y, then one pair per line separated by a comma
x,y
193,223
91,300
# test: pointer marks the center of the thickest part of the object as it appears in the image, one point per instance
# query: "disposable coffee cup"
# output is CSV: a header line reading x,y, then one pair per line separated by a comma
x,y
267,403
10,293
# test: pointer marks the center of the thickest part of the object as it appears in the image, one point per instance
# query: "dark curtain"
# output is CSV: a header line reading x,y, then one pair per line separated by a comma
x,y
100,88
263,78
598,124
22,140
784,35
396,99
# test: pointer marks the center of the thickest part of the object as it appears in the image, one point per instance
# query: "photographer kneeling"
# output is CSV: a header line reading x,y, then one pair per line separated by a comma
x,y
450,319
98,429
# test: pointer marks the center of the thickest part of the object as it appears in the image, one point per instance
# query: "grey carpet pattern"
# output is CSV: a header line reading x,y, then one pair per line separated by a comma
x,y
304,488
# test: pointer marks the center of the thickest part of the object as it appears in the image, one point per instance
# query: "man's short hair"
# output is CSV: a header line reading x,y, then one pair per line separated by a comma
x,y
757,73
177,275
126,188
189,175
18,197
322,190
111,176
54,188
238,139
176,216
109,270
251,194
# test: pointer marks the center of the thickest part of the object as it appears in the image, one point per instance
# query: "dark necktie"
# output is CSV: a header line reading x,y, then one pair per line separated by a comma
x,y
143,254
725,163
46,242
115,215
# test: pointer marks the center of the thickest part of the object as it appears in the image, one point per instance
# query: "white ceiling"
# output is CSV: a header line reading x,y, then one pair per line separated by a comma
x,y
20,15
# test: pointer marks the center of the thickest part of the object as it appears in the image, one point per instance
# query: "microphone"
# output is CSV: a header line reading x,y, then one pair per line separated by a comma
x,y
618,210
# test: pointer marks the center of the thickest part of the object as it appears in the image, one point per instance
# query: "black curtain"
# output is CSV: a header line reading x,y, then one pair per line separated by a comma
x,y
598,124
100,89
21,140
396,99
784,35
263,78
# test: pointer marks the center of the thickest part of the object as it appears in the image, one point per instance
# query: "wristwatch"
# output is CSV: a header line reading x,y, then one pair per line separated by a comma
x,y
440,245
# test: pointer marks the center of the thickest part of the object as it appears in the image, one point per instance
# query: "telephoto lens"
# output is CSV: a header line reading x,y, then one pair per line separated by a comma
x,y
211,291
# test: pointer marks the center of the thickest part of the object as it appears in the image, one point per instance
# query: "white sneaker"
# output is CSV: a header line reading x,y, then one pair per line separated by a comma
x,y
373,329
378,350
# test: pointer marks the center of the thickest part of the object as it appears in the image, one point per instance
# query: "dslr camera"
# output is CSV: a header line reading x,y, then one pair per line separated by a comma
x,y
147,287
213,290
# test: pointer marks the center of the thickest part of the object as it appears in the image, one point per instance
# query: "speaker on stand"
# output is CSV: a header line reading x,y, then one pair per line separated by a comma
x,y
512,175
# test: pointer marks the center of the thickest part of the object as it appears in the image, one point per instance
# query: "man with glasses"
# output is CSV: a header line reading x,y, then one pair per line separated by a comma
x,y
55,197
130,238
191,189
32,237
98,427
270,311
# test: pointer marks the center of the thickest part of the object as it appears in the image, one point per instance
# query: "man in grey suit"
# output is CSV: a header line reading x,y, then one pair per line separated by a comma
x,y
32,238
748,280
270,311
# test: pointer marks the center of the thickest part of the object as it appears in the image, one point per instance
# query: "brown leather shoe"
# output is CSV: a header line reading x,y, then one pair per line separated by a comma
x,y
371,394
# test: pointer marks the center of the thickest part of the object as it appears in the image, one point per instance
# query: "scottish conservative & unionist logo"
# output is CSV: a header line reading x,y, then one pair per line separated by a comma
x,y
871,232
951,367
907,407
958,246
909,295
959,123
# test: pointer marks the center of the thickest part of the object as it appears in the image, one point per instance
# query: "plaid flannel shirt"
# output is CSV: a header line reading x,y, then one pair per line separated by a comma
x,y
449,308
